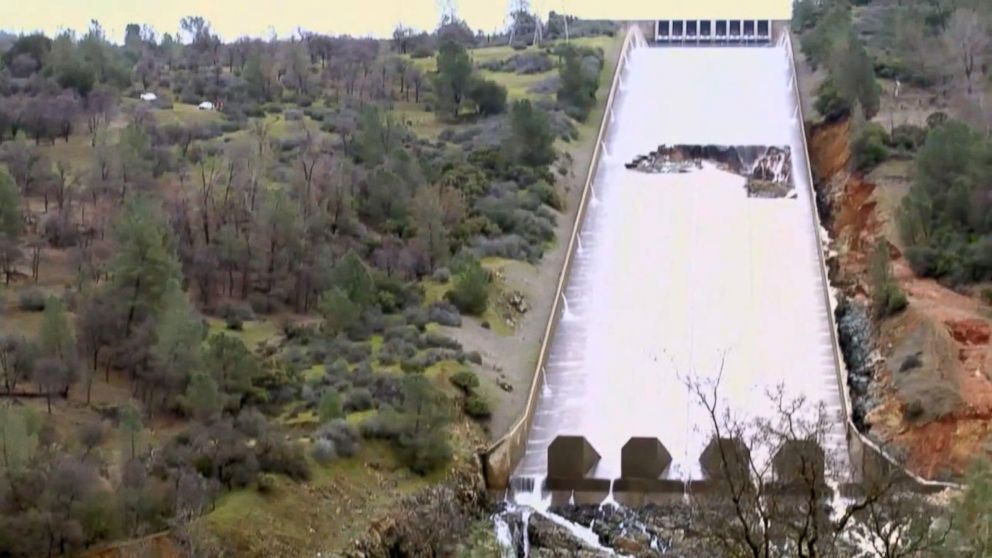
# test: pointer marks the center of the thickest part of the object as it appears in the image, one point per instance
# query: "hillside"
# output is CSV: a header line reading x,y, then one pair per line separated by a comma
x,y
236,322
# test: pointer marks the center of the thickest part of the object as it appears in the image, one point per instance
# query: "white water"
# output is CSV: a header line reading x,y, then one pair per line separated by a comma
x,y
682,271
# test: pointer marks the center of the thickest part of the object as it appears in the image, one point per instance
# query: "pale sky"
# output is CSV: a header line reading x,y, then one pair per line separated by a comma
x,y
234,18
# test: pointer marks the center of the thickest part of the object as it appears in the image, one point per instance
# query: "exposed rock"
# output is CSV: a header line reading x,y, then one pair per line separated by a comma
x,y
969,331
413,529
768,169
504,385
549,539
854,331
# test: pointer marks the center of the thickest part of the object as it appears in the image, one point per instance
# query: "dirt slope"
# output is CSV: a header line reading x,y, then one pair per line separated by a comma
x,y
932,392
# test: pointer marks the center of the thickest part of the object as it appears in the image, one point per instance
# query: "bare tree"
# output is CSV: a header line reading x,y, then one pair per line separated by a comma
x,y
774,495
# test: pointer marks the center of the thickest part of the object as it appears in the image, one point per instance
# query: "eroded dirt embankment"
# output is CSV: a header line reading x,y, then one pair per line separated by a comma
x,y
925,392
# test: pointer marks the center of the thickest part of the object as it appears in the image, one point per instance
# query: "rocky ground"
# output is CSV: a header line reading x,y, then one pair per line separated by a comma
x,y
647,532
921,380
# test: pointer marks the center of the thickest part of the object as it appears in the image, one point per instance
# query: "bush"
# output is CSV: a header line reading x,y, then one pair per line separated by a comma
x,y
868,148
477,407
445,314
266,483
937,119
337,438
830,103
433,339
240,310
425,452
441,275
908,136
488,96
384,425
31,301
359,399
470,293
329,406
465,380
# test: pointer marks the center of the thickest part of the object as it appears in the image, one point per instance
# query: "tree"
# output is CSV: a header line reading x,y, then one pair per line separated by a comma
x,y
339,312
578,85
232,365
454,72
531,142
145,267
428,215
176,353
423,441
11,220
351,275
970,536
489,97
886,296
202,399
17,357
772,498
53,377
967,42
470,292
57,339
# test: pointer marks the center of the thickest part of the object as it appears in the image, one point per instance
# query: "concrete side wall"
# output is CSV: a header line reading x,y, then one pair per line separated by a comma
x,y
500,459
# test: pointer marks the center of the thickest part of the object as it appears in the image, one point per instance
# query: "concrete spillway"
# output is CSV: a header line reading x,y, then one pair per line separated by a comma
x,y
675,274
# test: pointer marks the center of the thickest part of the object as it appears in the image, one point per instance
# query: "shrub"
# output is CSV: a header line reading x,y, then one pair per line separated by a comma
x,y
293,114
329,406
359,399
470,293
488,96
465,380
441,275
445,314
433,339
937,119
477,407
337,438
908,136
266,483
384,425
234,323
240,310
31,301
474,357
868,148
425,452
830,103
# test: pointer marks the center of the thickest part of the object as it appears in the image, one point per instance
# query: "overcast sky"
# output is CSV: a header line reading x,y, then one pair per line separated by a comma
x,y
233,18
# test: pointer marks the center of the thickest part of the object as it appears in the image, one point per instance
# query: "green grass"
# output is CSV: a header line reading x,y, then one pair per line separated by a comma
x,y
314,373
181,113
252,333
319,516
358,417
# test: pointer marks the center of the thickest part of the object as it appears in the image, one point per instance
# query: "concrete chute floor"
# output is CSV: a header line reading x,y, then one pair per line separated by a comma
x,y
678,273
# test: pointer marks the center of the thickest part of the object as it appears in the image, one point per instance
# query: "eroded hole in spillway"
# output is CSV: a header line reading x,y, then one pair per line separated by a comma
x,y
767,169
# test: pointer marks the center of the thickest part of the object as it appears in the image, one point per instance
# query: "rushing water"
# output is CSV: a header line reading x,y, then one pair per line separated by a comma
x,y
681,275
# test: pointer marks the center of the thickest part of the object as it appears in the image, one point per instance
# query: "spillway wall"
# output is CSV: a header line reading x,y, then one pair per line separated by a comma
x,y
501,457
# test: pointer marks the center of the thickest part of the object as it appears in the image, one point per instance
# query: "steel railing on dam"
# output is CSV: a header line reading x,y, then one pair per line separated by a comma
x,y
577,354
503,455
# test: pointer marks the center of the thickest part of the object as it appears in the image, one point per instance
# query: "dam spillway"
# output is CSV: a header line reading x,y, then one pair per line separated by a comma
x,y
683,273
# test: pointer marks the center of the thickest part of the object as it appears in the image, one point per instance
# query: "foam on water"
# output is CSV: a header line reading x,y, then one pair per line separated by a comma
x,y
682,272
